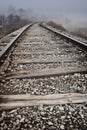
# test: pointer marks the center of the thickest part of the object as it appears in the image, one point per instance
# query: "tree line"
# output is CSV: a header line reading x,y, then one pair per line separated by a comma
x,y
11,23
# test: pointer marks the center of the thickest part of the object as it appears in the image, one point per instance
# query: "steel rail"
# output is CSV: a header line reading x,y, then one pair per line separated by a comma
x,y
73,40
9,45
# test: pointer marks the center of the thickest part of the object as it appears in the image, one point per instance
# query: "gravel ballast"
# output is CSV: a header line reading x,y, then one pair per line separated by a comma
x,y
42,86
49,117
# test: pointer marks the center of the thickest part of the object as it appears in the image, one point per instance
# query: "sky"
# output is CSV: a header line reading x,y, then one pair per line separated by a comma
x,y
67,10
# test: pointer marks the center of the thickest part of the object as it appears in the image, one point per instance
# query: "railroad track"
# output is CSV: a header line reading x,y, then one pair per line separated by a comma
x,y
43,80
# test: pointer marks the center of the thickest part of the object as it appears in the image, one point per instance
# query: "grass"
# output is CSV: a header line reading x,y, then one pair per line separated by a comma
x,y
81,32
11,28
57,26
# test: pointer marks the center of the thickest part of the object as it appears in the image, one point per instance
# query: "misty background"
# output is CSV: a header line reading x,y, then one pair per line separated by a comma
x,y
70,13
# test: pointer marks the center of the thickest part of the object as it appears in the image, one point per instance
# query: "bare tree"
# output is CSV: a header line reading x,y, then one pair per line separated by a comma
x,y
11,9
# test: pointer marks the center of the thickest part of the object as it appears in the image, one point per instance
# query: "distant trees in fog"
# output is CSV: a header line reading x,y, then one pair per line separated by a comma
x,y
10,21
14,18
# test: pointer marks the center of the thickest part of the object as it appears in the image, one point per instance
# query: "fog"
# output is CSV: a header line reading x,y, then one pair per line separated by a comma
x,y
68,12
